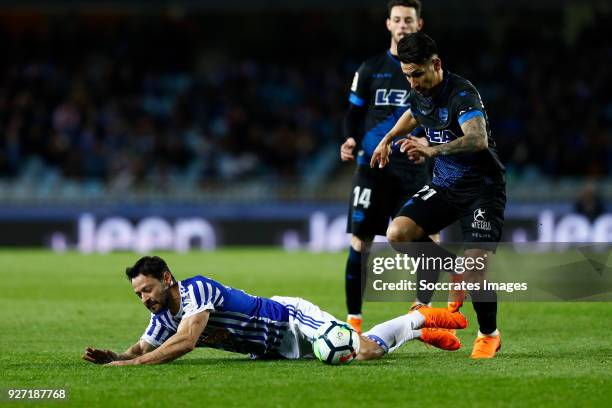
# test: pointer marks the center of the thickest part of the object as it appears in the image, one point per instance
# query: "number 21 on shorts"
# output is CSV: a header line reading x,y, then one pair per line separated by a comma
x,y
425,193
362,196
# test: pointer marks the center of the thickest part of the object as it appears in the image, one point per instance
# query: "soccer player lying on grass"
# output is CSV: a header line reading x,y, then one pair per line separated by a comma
x,y
200,312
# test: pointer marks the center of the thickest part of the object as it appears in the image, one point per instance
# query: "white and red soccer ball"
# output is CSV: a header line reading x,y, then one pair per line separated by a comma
x,y
335,343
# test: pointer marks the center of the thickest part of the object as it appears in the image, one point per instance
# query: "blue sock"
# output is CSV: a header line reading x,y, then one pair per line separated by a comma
x,y
354,279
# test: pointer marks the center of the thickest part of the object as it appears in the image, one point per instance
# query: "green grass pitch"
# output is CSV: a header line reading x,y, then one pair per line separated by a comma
x,y
53,306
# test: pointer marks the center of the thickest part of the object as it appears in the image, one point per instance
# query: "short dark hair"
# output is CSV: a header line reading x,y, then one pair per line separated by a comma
x,y
415,4
416,48
152,266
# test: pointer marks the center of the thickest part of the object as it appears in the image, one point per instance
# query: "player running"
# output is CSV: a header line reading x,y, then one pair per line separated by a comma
x,y
378,98
468,183
200,312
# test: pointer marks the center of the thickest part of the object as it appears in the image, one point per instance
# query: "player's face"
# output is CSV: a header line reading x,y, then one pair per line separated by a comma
x,y
402,21
154,294
423,77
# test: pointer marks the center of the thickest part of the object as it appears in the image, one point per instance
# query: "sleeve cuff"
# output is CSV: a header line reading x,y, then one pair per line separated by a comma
x,y
355,100
189,313
469,115
151,341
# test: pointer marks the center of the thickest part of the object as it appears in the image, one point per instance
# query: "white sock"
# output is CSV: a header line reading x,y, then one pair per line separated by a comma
x,y
393,333
353,316
494,334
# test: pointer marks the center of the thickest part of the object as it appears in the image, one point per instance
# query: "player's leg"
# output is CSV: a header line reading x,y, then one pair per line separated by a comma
x,y
354,280
367,218
404,229
482,226
407,183
304,320
484,301
388,336
423,214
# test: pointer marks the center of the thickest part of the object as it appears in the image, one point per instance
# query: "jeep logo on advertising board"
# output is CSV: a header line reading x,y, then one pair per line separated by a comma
x,y
150,233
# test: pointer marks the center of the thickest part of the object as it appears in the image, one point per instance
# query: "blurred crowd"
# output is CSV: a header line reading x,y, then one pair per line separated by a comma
x,y
546,96
126,102
145,105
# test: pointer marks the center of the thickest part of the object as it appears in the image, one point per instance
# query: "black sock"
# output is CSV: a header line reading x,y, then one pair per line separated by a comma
x,y
353,285
486,310
435,249
431,250
425,295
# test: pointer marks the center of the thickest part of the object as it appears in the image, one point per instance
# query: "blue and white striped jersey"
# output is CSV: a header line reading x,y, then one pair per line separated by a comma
x,y
238,322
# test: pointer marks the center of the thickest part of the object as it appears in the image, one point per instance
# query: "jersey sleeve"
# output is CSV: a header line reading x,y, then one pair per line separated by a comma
x,y
156,333
467,104
200,294
360,87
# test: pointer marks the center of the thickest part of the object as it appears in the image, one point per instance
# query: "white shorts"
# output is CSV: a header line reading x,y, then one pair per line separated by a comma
x,y
304,319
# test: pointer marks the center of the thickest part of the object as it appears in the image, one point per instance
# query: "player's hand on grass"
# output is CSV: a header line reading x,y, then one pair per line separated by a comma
x,y
346,150
97,356
381,154
417,149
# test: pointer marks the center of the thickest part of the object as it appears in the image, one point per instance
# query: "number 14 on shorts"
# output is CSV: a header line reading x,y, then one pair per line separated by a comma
x,y
362,196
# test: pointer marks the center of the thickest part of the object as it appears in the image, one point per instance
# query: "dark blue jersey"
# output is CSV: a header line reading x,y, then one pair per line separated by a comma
x,y
381,88
441,116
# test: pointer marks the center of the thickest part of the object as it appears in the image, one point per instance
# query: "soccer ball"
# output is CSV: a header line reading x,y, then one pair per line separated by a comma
x,y
335,343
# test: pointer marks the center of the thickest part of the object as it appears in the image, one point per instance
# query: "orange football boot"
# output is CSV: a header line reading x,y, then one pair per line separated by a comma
x,y
486,346
442,318
355,323
441,338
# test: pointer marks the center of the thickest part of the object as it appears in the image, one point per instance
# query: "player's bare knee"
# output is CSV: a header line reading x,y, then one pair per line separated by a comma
x,y
403,229
396,233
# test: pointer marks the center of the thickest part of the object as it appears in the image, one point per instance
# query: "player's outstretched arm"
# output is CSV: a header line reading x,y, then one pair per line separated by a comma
x,y
181,343
474,138
405,124
98,356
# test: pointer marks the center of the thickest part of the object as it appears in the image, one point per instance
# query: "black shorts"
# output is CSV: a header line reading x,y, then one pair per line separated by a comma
x,y
479,211
378,194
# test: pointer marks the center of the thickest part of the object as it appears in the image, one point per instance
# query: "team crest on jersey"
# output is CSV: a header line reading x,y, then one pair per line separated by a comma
x,y
391,97
443,114
480,220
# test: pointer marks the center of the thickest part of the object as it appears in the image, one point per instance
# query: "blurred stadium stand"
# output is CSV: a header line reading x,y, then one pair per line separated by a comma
x,y
226,101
